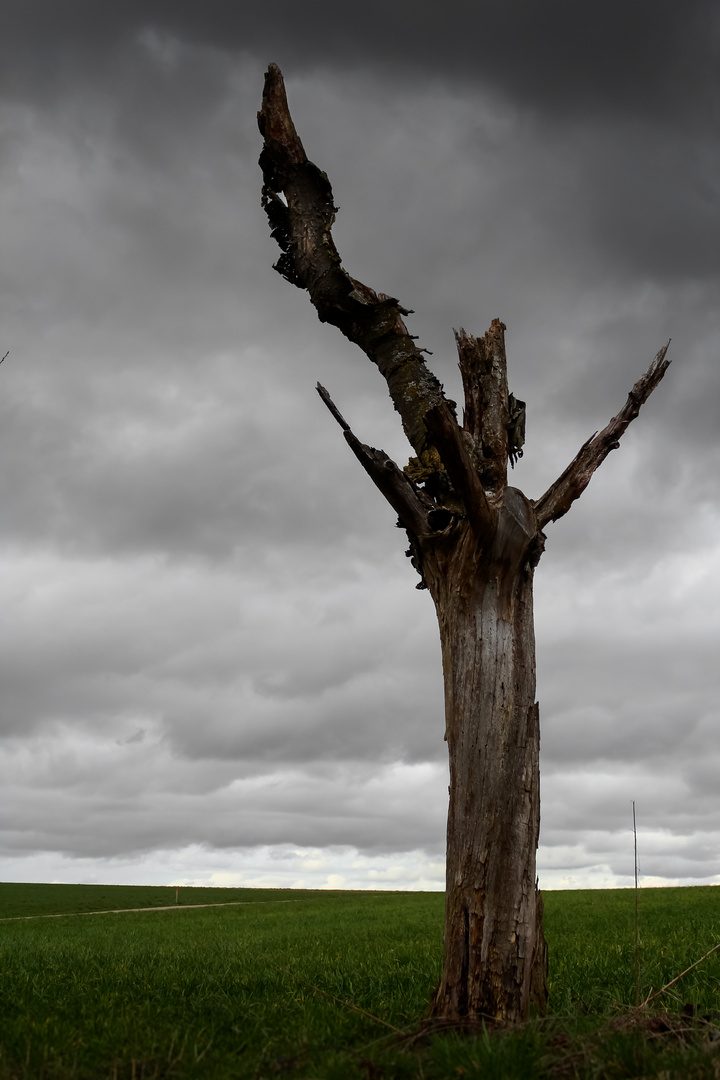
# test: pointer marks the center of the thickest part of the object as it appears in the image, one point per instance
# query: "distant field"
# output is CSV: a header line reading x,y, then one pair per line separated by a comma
x,y
323,986
18,900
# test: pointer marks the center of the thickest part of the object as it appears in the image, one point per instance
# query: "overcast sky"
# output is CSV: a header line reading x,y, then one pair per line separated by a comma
x,y
214,664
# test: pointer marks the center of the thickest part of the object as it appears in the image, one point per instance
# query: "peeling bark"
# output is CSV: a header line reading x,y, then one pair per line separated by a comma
x,y
475,542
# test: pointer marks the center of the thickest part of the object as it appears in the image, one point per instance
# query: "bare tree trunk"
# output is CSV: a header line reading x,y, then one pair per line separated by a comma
x,y
475,543
495,958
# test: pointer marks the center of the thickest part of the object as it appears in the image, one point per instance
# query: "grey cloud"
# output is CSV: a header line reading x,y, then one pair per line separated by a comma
x,y
189,549
226,669
90,819
590,801
663,857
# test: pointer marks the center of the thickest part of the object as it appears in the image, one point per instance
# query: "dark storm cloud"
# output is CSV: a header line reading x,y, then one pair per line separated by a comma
x,y
598,180
618,55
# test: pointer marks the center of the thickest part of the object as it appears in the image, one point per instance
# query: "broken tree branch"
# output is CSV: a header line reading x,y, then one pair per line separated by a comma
x,y
570,485
483,366
332,407
298,200
410,504
448,440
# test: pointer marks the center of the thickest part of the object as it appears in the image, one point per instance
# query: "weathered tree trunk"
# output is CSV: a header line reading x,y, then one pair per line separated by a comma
x,y
475,543
494,949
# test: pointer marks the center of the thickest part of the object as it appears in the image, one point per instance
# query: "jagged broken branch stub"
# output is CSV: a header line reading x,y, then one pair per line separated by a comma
x,y
412,505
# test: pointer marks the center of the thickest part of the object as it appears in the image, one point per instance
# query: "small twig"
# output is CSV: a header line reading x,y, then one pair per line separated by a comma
x,y
680,976
5,356
332,407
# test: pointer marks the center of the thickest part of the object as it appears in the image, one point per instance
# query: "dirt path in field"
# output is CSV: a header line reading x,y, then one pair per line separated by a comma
x,y
168,907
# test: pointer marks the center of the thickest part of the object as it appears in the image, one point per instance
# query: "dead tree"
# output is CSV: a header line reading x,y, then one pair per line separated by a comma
x,y
475,541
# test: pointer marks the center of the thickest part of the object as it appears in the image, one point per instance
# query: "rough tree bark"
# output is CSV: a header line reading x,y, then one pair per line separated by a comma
x,y
475,541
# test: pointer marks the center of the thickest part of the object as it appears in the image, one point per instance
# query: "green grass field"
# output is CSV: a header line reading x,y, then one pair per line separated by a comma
x,y
334,985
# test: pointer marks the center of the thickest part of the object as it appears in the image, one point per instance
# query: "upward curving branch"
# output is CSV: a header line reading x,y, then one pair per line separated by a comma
x,y
570,485
456,467
301,222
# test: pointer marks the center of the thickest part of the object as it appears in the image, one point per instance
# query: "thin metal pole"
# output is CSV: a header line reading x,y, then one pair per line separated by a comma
x,y
637,936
